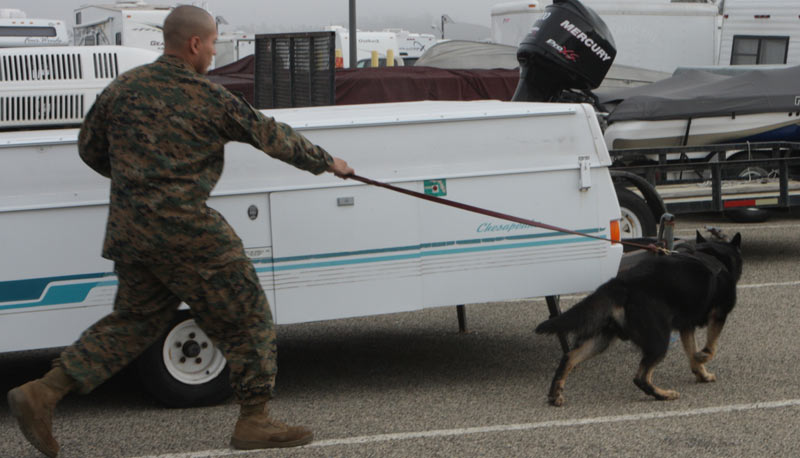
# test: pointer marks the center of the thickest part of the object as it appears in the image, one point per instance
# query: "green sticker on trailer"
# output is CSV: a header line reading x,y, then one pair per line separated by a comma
x,y
436,188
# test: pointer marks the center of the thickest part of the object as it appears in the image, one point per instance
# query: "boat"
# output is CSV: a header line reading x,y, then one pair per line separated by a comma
x,y
701,107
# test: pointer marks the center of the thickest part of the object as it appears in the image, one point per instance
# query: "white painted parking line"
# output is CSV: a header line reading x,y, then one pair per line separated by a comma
x,y
789,403
767,285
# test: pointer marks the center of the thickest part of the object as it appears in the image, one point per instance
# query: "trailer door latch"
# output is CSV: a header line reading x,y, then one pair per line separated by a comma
x,y
585,165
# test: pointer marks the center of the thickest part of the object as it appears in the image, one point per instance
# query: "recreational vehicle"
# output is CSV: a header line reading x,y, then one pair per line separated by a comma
x,y
234,46
17,30
762,32
384,44
654,35
125,23
381,252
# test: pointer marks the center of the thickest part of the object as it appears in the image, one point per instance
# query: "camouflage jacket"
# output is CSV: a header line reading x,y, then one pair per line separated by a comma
x,y
158,131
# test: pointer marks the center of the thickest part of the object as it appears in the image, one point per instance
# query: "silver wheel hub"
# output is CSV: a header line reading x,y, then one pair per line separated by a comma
x,y
190,356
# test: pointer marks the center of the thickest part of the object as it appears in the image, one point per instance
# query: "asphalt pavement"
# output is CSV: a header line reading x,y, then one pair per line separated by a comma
x,y
409,384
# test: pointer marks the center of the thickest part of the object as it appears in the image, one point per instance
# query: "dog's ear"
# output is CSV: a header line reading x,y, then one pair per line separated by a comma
x,y
737,240
699,238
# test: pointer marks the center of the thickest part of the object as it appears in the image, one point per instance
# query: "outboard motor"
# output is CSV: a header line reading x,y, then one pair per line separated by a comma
x,y
569,47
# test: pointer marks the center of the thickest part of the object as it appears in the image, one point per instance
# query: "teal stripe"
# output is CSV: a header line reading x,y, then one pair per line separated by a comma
x,y
421,254
63,294
31,289
25,290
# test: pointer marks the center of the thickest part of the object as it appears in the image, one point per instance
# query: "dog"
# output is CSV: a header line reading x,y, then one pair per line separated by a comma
x,y
683,291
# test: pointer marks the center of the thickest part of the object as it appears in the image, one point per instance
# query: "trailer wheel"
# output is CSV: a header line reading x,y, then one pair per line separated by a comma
x,y
637,219
748,215
184,368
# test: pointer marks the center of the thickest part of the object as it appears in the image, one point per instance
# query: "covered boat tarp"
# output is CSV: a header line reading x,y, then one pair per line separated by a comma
x,y
462,54
237,77
698,94
390,84
406,84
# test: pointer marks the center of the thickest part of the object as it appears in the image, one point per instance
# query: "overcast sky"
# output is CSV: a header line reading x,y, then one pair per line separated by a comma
x,y
262,15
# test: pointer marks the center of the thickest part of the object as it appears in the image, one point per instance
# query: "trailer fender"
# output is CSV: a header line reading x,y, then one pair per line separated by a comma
x,y
651,197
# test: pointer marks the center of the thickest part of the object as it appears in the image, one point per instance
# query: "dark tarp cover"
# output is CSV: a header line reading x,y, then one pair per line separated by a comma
x,y
390,84
698,94
405,84
237,77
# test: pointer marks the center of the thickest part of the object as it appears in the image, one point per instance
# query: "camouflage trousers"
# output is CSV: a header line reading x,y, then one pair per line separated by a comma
x,y
227,303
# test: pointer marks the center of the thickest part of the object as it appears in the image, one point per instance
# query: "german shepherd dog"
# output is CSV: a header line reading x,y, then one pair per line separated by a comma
x,y
688,289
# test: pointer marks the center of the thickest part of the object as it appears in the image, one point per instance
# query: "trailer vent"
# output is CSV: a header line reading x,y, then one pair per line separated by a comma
x,y
294,69
105,65
40,67
48,109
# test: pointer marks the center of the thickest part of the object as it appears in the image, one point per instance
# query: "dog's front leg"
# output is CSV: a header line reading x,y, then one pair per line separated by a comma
x,y
690,347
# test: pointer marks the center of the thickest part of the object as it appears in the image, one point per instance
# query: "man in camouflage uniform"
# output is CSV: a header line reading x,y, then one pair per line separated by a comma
x,y
158,132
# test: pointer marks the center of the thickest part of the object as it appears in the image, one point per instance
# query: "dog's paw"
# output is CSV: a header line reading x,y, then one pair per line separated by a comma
x,y
557,400
667,395
702,356
706,378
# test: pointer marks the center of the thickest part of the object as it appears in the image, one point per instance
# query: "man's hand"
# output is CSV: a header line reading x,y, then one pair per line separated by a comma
x,y
340,168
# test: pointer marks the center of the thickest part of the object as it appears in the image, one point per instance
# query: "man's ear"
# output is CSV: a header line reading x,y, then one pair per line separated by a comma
x,y
194,45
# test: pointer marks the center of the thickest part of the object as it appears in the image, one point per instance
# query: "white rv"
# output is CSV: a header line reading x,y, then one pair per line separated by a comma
x,y
380,252
125,23
17,30
651,34
383,43
411,45
234,46
760,32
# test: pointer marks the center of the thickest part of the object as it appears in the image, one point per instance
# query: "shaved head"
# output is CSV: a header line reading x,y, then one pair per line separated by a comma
x,y
185,22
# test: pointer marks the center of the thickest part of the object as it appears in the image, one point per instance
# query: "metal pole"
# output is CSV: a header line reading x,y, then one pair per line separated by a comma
x,y
353,42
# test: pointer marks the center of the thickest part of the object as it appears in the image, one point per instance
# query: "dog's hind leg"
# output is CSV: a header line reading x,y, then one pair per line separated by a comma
x,y
585,350
712,340
690,347
644,377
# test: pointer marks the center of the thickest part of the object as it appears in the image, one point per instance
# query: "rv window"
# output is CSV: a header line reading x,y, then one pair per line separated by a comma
x,y
751,50
118,38
78,18
17,31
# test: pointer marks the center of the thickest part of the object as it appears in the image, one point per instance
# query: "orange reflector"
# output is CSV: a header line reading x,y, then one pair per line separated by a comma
x,y
615,230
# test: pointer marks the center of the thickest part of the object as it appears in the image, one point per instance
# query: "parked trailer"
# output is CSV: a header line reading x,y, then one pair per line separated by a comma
x,y
326,248
760,176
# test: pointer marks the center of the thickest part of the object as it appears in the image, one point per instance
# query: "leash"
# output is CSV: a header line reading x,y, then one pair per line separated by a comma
x,y
494,214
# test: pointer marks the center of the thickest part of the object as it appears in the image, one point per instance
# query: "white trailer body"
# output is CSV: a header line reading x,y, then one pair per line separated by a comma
x,y
655,35
326,248
124,23
760,32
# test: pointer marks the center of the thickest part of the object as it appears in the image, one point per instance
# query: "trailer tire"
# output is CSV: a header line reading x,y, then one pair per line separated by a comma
x,y
183,368
748,215
637,219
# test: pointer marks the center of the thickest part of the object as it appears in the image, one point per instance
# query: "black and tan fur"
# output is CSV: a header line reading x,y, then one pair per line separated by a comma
x,y
683,291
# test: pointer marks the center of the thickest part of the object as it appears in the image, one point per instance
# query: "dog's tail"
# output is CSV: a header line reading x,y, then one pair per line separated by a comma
x,y
589,316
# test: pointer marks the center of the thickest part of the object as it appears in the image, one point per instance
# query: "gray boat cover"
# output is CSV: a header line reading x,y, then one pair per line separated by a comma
x,y
698,94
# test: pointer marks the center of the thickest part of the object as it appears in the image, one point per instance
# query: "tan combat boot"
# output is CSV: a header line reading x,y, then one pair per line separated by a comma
x,y
33,404
255,430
